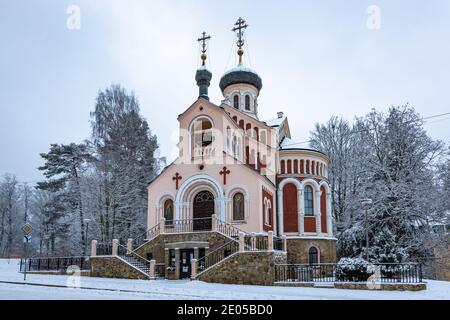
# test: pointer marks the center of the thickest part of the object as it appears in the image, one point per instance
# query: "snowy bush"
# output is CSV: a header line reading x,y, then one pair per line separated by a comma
x,y
352,269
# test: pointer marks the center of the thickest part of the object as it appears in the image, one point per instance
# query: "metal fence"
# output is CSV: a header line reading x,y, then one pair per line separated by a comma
x,y
217,255
54,264
104,249
377,272
188,225
160,270
256,243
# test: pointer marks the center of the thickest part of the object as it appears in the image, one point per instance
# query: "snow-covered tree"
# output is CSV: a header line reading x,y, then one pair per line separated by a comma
x,y
63,168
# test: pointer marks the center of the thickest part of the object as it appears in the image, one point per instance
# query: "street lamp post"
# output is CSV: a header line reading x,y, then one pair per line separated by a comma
x,y
86,223
366,203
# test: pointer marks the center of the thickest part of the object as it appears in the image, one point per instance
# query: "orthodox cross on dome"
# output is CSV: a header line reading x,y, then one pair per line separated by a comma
x,y
239,28
224,173
203,40
177,179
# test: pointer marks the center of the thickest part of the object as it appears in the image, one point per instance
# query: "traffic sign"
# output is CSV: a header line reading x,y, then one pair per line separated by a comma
x,y
27,238
27,229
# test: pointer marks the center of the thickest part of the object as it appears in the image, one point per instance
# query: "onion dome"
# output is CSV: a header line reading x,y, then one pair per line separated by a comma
x,y
238,75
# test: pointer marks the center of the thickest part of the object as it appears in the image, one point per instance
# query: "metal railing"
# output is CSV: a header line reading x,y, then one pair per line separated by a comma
x,y
104,249
217,256
54,264
188,225
124,252
256,243
227,229
148,235
377,272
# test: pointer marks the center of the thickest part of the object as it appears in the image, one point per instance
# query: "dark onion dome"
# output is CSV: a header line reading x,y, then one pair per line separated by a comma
x,y
203,77
238,75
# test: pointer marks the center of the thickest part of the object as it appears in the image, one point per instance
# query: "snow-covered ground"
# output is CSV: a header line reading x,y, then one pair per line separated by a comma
x,y
43,287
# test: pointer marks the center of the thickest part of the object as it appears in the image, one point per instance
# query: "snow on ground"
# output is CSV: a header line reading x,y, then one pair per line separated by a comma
x,y
119,289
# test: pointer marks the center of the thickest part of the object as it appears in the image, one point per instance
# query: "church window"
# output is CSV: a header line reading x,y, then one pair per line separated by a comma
x,y
267,208
309,202
202,133
236,102
168,212
313,255
238,207
247,102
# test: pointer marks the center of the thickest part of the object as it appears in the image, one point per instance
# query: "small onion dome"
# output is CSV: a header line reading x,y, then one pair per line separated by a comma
x,y
203,77
238,75
203,74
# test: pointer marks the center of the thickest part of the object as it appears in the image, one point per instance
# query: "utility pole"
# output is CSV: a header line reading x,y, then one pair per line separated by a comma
x,y
366,203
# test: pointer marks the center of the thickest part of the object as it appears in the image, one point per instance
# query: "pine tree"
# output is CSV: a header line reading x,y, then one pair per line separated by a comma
x,y
64,166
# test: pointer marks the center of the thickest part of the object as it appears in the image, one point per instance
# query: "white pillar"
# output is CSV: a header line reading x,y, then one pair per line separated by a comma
x,y
301,212
329,217
152,270
317,212
214,222
270,241
129,246
115,247
162,226
94,248
241,242
284,243
280,212
193,269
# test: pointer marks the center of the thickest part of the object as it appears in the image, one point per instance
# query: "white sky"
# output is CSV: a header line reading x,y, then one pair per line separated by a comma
x,y
316,59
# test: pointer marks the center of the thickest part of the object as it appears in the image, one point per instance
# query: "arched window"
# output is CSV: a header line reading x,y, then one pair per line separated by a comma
x,y
267,212
202,136
168,212
309,201
313,256
247,102
238,207
236,102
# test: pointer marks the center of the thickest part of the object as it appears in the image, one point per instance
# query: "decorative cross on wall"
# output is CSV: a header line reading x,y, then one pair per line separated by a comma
x,y
224,173
177,179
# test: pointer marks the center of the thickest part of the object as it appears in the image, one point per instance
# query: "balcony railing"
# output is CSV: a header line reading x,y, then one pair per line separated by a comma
x,y
256,243
188,225
54,264
382,273
204,152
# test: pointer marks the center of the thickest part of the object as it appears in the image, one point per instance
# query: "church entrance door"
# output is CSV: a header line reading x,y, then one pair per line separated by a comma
x,y
203,211
186,257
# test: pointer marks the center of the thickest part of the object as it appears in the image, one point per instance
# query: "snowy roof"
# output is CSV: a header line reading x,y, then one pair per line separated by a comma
x,y
240,68
286,143
275,122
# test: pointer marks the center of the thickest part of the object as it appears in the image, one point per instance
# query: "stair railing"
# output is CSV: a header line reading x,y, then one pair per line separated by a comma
x,y
228,229
149,235
217,256
123,251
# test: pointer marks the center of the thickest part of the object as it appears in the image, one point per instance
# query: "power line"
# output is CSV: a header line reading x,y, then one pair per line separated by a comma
x,y
359,131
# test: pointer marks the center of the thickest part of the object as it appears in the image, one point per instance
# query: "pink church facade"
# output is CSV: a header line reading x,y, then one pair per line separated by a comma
x,y
243,172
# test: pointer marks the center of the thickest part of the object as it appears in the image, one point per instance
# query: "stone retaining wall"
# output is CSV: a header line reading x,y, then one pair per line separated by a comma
x,y
298,250
114,267
384,286
251,268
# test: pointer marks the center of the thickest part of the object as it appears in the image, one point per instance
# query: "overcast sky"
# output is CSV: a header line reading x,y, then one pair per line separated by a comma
x,y
316,58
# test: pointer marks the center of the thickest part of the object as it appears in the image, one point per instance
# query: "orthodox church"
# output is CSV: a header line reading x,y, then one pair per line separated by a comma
x,y
239,185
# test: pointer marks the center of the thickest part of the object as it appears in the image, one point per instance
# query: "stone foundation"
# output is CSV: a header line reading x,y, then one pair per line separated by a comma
x,y
384,286
250,268
114,267
298,249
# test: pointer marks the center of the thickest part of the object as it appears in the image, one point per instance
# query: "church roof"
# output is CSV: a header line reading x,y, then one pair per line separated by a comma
x,y
240,74
275,122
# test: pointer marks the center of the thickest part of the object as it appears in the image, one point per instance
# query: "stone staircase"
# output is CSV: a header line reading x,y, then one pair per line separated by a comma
x,y
137,263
